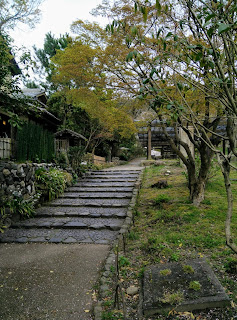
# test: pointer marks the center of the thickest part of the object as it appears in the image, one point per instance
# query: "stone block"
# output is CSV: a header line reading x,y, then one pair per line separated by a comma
x,y
168,286
6,172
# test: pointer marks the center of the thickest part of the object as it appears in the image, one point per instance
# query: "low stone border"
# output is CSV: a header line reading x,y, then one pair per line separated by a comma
x,y
105,279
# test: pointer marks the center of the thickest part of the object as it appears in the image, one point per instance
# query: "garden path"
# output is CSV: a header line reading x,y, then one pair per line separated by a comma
x,y
54,279
92,211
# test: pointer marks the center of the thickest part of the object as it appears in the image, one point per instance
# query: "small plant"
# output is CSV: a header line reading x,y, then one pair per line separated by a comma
x,y
52,181
165,272
195,285
109,315
161,199
172,297
141,272
133,235
112,269
25,207
123,261
175,257
188,269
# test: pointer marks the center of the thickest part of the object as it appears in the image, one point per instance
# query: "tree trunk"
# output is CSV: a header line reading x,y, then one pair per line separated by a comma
x,y
149,143
225,168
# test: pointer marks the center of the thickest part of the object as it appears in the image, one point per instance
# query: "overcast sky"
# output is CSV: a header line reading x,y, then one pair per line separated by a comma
x,y
57,16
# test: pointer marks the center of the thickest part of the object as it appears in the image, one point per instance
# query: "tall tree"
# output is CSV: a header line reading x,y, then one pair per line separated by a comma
x,y
50,48
194,48
15,11
140,57
79,77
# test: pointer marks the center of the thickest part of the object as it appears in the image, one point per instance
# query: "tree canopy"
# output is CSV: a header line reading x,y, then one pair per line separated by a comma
x,y
15,11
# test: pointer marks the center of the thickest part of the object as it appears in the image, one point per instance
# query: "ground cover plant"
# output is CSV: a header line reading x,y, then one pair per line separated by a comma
x,y
178,231
51,183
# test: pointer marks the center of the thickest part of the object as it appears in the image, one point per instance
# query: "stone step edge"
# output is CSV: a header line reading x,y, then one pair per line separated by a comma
x,y
65,196
90,215
56,240
110,261
68,226
111,171
95,205
99,191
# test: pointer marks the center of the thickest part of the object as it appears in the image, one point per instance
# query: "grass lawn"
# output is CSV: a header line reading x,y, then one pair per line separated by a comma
x,y
167,227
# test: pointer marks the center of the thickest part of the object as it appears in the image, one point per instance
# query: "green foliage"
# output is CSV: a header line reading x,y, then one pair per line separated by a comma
x,y
110,315
188,269
34,142
195,285
161,199
172,298
133,235
14,11
165,272
25,207
123,261
53,181
51,45
175,256
75,156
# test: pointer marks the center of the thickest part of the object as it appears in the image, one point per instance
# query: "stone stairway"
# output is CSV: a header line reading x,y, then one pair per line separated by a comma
x,y
92,211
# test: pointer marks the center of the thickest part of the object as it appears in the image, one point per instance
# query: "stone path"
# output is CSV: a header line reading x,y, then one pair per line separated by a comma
x,y
92,211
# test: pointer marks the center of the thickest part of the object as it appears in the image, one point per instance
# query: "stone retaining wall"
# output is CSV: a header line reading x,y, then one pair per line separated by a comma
x,y
19,178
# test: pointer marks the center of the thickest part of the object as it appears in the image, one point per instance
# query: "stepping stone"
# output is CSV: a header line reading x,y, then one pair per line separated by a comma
x,y
173,285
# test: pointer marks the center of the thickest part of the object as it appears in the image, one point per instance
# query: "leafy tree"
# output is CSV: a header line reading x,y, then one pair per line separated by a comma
x,y
43,56
9,85
191,48
140,57
78,74
15,11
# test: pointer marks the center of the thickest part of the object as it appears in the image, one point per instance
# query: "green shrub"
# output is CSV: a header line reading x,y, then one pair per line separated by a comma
x,y
52,182
18,205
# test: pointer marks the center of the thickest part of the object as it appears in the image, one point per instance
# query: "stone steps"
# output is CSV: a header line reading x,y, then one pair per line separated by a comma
x,y
70,223
97,195
96,190
92,211
114,172
59,236
103,184
111,177
67,202
82,212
